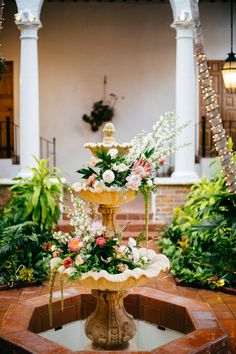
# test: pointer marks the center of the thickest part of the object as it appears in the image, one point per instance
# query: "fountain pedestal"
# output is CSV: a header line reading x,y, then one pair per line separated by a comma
x,y
110,326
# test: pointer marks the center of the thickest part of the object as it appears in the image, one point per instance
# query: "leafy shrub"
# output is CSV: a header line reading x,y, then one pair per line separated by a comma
x,y
201,240
26,226
35,199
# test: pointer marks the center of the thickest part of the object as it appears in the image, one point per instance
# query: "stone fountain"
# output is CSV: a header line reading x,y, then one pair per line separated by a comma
x,y
110,326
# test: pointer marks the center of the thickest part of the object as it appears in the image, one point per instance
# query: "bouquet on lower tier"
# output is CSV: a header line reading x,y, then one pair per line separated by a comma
x,y
90,248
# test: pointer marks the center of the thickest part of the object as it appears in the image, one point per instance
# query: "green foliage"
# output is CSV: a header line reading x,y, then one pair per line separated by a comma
x,y
26,225
35,199
201,240
23,256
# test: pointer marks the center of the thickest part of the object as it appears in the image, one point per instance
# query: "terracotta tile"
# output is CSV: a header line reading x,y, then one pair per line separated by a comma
x,y
188,292
228,323
226,315
201,323
231,299
232,306
10,293
219,307
231,333
21,315
214,300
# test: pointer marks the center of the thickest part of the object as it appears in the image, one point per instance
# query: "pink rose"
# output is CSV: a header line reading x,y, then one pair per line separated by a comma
x,y
91,180
100,241
74,244
134,182
142,168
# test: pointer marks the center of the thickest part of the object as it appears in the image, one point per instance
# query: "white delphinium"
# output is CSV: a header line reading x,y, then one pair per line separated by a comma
x,y
62,237
97,228
161,140
79,219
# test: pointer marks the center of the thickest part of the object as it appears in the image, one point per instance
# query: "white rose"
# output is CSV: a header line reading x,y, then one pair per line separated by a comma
x,y
113,152
131,242
122,167
54,262
108,176
99,186
79,260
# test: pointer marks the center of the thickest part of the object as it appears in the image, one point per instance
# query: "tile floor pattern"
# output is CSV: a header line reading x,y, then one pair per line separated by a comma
x,y
223,305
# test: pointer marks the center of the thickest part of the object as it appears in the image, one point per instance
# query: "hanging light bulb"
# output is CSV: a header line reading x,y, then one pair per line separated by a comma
x,y
229,68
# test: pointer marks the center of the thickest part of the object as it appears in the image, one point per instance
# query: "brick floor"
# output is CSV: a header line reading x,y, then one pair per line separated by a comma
x,y
223,305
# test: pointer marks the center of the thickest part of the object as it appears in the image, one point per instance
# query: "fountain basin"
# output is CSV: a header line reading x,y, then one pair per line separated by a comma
x,y
23,321
112,197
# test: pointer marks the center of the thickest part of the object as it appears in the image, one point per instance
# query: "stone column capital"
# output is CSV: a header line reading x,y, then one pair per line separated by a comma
x,y
28,29
182,25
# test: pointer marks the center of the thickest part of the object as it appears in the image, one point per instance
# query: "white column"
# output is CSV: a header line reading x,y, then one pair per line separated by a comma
x,y
29,25
185,101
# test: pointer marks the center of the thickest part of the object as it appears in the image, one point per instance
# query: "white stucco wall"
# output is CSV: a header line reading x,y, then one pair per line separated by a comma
x,y
132,44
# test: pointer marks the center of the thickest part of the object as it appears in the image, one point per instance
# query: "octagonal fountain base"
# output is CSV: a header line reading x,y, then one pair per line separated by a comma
x,y
25,320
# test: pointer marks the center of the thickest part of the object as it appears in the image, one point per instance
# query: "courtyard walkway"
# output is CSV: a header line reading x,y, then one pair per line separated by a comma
x,y
223,305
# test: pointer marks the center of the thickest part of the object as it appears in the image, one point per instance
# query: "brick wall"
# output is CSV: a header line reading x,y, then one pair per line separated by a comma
x,y
167,199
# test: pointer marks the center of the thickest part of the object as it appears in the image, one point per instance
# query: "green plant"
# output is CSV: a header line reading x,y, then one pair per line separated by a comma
x,y
201,240
26,225
23,253
36,199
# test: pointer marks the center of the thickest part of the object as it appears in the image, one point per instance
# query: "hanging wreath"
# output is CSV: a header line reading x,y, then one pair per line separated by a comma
x,y
102,110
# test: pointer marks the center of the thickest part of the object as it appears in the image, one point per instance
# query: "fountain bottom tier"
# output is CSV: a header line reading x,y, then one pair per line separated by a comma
x,y
110,326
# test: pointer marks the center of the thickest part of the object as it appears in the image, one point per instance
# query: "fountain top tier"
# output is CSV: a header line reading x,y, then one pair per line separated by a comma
x,y
109,142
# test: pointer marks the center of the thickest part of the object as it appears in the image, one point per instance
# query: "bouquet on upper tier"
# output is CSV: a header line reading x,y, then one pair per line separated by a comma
x,y
138,169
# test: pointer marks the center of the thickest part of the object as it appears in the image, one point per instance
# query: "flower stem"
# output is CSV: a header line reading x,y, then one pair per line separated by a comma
x,y
146,196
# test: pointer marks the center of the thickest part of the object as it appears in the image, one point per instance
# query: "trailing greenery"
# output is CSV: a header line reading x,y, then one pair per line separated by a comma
x,y
201,240
26,225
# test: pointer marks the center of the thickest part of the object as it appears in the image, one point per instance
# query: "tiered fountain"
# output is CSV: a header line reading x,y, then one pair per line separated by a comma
x,y
110,326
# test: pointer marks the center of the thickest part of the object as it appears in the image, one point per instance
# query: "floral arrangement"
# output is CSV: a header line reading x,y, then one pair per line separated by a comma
x,y
90,247
137,170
